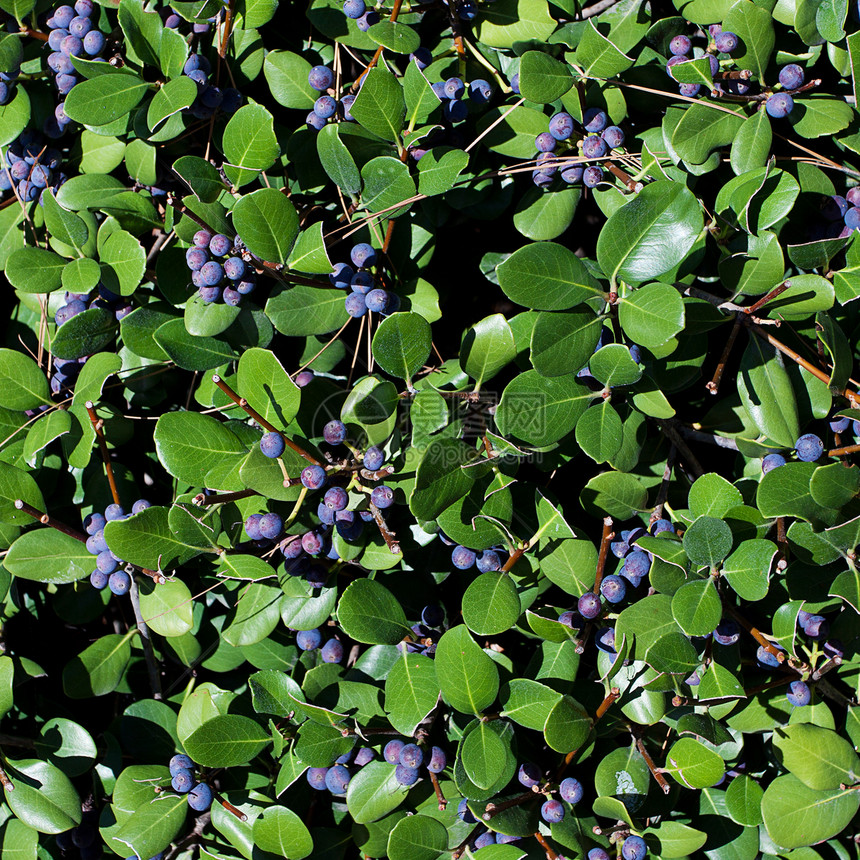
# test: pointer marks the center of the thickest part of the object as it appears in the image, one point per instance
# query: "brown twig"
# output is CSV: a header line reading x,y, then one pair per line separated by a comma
x,y
754,632
204,501
230,808
659,778
46,520
492,809
228,29
240,401
714,385
675,437
98,425
607,703
550,854
605,539
387,535
440,798
513,558
845,449
752,309
145,641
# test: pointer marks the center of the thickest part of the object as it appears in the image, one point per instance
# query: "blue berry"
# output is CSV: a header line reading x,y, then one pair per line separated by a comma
x,y
364,756
561,126
80,26
571,175
373,458
271,526
72,46
342,275
614,137
196,258
570,790
312,543
779,105
220,245
182,781
336,499
605,639
545,142
406,775
798,694
272,445
119,582
727,632
98,579
411,756
680,46
382,497
367,20
689,90
105,562
200,797
529,774
376,300
321,78
766,658
594,120
612,587
326,514
363,255
840,425
114,512
552,811
852,218
592,176
308,640
480,91
202,238
485,840
96,542
634,847
180,762
252,526
589,605
337,779
234,268
211,274
63,16
636,565
332,651
598,854
93,523
313,477
464,813
594,146
438,760
462,558
316,777
726,42
334,432
354,8
355,305
771,461
391,751
809,448
325,107
488,561
362,282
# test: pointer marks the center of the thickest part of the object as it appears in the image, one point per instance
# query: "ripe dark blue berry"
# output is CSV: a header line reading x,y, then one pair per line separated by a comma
x,y
464,813
321,77
363,255
809,448
308,640
771,461
561,126
545,142
488,561
313,477
589,605
438,760
798,694
332,651
119,582
594,120
391,751
200,797
98,579
552,811
613,588
462,558
382,497
272,445
354,8
726,42
271,526
592,176
727,632
779,105
316,777
337,779
182,781
180,762
334,432
406,775
634,847
570,790
355,305
680,45
529,774
373,458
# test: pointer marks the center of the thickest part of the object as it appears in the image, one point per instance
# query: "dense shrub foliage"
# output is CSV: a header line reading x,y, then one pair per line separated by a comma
x,y
429,428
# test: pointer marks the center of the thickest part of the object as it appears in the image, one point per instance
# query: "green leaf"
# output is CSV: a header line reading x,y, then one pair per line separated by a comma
x,y
280,831
380,106
287,76
651,315
303,311
651,234
337,160
166,608
467,676
50,556
487,347
754,26
401,344
708,541
368,612
751,146
62,224
613,365
188,351
693,765
102,100
266,385
267,222
17,484
562,343
546,276
543,79
439,480
817,756
174,96
250,144
483,756
309,253
126,258
22,384
796,815
817,115
767,393
510,21
373,792
85,333
200,176
541,410
411,691
98,669
226,741
743,801
567,726
617,494
696,607
152,826
747,569
597,54
599,432
491,605
43,797
397,37
439,167
387,183
417,837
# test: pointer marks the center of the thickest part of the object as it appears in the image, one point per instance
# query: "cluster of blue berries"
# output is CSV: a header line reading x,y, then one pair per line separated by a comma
x,y
841,217
570,790
357,10
182,781
73,34
209,97
721,42
108,571
452,91
29,166
219,279
333,510
409,758
779,105
598,139
335,778
427,632
464,558
7,85
809,448
310,640
85,838
326,107
364,295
